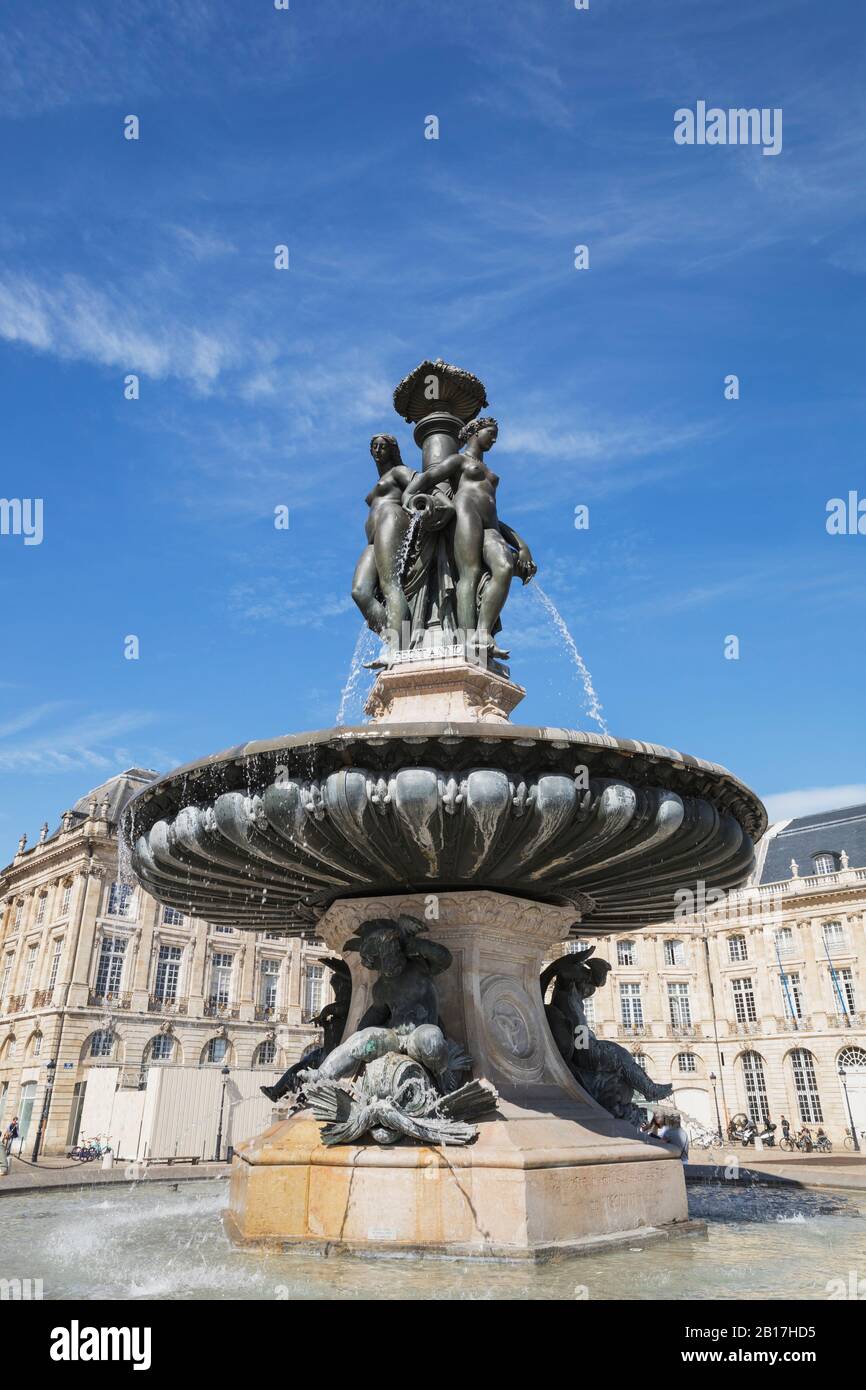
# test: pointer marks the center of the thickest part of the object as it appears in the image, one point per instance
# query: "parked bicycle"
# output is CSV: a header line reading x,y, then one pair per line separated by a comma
x,y
89,1149
848,1141
802,1141
706,1139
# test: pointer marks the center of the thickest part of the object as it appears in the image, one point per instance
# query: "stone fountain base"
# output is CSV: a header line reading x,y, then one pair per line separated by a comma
x,y
550,1173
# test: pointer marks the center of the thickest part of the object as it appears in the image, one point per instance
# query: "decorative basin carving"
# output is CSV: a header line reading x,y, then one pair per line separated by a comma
x,y
269,834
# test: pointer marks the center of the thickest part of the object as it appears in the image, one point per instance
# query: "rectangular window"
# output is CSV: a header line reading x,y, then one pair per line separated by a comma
x,y
29,967
109,971
120,900
785,941
834,937
167,974
626,953
224,931
314,988
7,975
687,1062
756,1088
66,900
589,1011
679,1004
42,903
171,917
674,953
270,974
744,1000
55,961
737,948
19,916
631,1005
221,977
845,986
792,993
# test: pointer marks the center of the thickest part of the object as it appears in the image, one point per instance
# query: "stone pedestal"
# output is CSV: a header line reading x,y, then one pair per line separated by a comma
x,y
550,1173
442,688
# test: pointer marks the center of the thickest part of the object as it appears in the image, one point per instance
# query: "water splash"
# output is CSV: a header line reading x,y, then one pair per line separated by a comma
x,y
592,702
366,648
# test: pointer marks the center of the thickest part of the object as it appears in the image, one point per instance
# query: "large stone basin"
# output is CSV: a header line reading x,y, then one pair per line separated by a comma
x,y
268,835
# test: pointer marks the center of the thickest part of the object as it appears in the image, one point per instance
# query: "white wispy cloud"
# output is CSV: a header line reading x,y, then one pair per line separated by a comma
x,y
79,741
807,801
73,319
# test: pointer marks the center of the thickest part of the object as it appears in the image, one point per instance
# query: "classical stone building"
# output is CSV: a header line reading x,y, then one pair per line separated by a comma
x,y
754,1001
93,971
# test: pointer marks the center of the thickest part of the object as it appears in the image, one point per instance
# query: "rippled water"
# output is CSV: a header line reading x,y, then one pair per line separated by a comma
x,y
148,1242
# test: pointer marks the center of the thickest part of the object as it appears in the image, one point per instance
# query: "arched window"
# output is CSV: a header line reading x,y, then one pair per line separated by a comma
x,y
752,1064
160,1048
216,1052
825,863
102,1043
687,1062
852,1059
806,1085
265,1054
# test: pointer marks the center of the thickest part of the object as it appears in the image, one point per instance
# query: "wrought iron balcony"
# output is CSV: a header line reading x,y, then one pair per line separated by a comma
x,y
156,1005
111,999
219,1008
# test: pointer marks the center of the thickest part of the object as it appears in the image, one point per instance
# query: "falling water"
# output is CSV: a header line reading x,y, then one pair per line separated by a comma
x,y
593,704
365,650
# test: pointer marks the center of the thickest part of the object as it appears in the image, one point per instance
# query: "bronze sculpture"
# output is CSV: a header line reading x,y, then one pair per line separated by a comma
x,y
331,1019
606,1070
439,562
398,1075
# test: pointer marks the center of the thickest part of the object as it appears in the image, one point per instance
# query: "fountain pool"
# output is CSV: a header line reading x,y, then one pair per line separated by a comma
x,y
149,1242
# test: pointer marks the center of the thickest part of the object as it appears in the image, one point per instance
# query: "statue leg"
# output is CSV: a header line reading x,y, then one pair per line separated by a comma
x,y
499,559
363,1046
364,590
391,531
468,546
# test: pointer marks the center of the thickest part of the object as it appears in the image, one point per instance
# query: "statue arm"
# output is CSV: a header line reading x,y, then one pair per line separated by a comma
x,y
429,477
526,566
435,956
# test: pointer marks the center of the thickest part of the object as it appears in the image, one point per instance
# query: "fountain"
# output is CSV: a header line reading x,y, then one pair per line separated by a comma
x,y
442,852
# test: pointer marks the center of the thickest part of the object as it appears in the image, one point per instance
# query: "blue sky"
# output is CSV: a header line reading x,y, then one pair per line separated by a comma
x,y
261,388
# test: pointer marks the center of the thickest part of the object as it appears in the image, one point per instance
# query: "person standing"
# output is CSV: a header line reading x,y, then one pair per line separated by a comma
x,y
9,1136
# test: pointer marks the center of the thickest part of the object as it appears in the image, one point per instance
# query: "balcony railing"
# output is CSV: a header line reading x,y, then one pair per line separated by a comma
x,y
219,1008
42,998
632,1030
156,1005
682,1030
111,999
748,1028
266,1013
17,1002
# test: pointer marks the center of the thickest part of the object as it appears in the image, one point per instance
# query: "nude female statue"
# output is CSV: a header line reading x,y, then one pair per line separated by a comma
x,y
376,586
481,540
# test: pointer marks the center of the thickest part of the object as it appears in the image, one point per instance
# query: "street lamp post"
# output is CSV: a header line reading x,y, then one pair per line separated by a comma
x,y
716,1099
219,1140
46,1105
842,1075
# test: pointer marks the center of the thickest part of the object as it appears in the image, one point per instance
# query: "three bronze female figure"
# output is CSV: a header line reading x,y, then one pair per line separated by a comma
x,y
439,562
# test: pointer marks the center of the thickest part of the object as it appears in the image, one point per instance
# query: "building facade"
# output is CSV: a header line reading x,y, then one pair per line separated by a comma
x,y
94,972
751,1002
746,1003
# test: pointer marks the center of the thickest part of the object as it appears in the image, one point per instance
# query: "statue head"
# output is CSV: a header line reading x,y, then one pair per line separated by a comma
x,y
484,430
381,943
386,451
